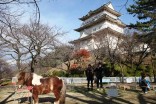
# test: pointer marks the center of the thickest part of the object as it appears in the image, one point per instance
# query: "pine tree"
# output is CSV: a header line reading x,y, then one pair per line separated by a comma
x,y
145,10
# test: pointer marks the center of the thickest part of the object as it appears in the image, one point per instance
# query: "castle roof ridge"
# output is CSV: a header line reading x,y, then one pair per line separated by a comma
x,y
103,7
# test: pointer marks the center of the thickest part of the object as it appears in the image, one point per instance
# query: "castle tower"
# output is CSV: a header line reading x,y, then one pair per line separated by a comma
x,y
98,25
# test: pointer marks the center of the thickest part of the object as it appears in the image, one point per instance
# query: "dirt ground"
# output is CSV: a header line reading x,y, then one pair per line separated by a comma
x,y
78,94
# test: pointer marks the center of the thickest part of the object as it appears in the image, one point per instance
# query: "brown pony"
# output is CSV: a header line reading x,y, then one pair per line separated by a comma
x,y
43,86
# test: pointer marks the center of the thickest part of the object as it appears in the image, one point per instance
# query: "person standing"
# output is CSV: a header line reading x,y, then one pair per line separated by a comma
x,y
99,74
90,76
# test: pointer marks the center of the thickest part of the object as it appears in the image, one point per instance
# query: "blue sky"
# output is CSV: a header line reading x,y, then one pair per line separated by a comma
x,y
65,13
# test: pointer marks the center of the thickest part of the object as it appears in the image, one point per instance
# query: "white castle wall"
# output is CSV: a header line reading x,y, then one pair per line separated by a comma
x,y
102,41
101,26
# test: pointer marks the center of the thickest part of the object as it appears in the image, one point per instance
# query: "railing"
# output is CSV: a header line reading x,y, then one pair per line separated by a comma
x,y
78,80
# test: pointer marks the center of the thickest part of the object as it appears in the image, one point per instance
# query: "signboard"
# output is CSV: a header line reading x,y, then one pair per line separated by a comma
x,y
112,92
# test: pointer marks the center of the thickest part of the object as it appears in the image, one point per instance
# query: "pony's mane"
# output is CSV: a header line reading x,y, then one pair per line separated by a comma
x,y
27,74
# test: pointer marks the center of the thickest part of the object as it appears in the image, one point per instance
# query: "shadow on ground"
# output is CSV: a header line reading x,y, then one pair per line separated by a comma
x,y
100,97
80,95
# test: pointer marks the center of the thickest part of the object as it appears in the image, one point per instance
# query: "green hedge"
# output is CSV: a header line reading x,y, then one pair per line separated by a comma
x,y
54,73
61,73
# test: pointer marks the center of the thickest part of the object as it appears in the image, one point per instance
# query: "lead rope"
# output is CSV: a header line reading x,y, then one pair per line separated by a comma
x,y
30,88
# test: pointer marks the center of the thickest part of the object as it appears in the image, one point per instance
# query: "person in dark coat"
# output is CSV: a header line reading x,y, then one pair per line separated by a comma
x,y
99,74
90,76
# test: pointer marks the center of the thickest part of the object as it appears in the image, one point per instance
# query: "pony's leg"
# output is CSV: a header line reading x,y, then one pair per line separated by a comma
x,y
57,95
35,98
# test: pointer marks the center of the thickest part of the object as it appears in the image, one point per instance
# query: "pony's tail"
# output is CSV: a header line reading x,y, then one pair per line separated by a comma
x,y
63,93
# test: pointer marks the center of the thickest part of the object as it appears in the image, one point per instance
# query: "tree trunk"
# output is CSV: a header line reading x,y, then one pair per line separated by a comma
x,y
32,68
154,72
18,64
32,65
154,78
68,65
137,67
122,75
153,67
112,69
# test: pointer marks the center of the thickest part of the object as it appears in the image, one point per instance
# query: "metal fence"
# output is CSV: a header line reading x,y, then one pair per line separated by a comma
x,y
78,80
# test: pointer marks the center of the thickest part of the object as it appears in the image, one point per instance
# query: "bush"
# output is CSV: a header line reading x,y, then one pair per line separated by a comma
x,y
59,73
76,72
51,73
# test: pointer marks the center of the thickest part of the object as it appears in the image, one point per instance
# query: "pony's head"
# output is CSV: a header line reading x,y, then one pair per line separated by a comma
x,y
20,78
23,78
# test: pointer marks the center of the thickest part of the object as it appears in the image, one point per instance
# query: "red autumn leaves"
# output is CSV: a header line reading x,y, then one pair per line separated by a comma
x,y
82,53
81,56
